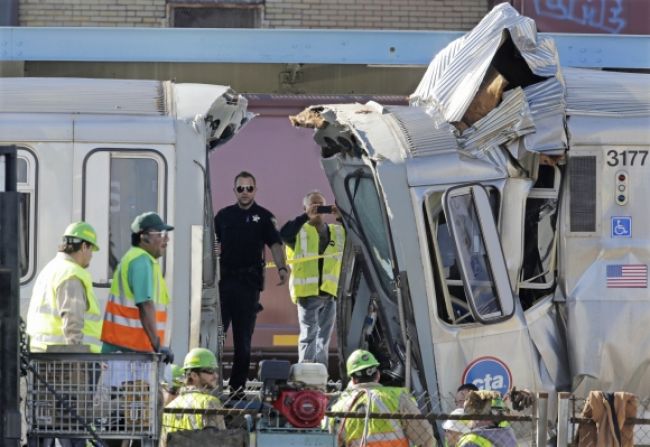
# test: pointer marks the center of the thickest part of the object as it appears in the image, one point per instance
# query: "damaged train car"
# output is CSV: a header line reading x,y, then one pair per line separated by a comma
x,y
498,226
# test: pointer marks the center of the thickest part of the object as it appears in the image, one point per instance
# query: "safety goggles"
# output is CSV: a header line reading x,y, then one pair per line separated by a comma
x,y
162,233
241,189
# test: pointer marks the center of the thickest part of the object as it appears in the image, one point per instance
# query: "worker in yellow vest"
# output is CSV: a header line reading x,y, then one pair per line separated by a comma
x,y
136,312
366,395
201,376
171,388
486,433
314,249
63,309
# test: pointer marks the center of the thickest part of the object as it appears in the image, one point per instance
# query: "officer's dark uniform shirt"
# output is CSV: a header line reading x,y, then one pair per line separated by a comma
x,y
242,234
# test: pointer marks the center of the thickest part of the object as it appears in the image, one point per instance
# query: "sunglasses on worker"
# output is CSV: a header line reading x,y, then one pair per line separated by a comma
x,y
241,189
208,371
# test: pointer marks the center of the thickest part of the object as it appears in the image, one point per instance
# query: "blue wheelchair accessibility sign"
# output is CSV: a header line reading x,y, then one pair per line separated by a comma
x,y
621,226
489,373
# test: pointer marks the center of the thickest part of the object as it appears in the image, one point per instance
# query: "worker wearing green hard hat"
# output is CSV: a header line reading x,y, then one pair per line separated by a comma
x,y
172,386
65,288
81,231
201,374
365,391
487,433
360,360
199,358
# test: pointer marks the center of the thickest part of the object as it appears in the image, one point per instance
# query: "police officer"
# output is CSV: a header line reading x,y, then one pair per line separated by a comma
x,y
242,231
63,309
201,375
316,249
365,394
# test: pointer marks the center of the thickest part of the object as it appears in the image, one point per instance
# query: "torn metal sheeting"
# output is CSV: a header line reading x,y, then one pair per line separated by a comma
x,y
454,76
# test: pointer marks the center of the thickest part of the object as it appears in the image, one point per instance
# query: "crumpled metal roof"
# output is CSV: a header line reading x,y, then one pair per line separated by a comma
x,y
498,88
455,75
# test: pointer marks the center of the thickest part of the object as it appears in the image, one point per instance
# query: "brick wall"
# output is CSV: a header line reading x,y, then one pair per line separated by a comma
x,y
352,14
147,13
375,14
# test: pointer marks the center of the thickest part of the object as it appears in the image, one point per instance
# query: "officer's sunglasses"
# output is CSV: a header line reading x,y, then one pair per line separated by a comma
x,y
241,189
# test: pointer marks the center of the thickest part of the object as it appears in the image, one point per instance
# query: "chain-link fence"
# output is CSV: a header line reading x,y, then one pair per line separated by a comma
x,y
271,422
603,417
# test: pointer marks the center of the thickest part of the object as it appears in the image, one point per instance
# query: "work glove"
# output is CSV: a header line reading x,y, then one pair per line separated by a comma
x,y
166,354
521,399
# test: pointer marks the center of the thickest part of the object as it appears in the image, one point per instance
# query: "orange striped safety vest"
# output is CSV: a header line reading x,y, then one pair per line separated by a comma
x,y
122,325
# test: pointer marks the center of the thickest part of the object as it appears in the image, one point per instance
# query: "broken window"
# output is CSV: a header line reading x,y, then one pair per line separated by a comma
x,y
369,218
540,237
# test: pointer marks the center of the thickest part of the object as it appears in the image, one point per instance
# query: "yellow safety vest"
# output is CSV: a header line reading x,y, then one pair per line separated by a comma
x,y
474,439
122,325
381,432
304,275
44,323
193,399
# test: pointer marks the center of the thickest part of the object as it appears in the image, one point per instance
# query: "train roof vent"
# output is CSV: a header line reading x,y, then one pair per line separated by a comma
x,y
76,95
423,133
582,189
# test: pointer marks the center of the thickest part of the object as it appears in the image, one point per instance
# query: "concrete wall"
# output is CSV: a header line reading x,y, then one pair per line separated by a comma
x,y
358,14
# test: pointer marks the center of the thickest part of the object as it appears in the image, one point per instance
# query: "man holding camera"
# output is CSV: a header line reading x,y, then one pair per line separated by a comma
x,y
314,249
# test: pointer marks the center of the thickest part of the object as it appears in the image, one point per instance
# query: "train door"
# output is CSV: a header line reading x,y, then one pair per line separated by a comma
x,y
114,182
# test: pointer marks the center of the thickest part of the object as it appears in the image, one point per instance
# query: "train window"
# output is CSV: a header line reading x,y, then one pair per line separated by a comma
x,y
126,183
26,179
451,294
470,216
134,190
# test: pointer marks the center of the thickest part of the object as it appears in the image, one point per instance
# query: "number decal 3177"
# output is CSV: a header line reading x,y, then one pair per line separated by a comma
x,y
626,158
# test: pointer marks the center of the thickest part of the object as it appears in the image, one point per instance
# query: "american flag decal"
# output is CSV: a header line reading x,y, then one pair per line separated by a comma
x,y
627,276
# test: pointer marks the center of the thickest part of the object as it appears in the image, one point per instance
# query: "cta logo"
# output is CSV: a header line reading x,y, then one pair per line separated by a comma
x,y
488,373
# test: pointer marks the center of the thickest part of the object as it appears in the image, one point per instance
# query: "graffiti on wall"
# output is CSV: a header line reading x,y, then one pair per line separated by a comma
x,y
601,15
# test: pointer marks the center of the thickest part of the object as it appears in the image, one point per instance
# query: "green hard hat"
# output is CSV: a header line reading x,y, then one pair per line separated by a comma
x,y
360,360
177,375
199,358
498,404
176,381
83,231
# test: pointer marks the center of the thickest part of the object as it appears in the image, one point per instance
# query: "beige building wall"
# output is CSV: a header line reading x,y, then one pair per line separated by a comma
x,y
350,14
145,13
375,14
